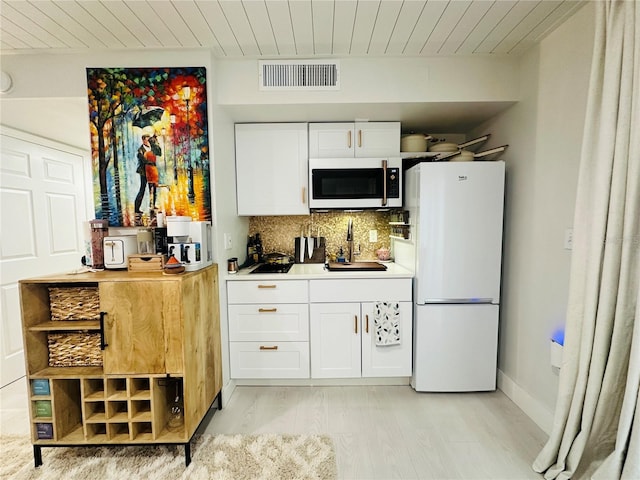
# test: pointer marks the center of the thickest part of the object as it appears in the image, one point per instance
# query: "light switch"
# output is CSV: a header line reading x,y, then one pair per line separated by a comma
x,y
373,236
227,241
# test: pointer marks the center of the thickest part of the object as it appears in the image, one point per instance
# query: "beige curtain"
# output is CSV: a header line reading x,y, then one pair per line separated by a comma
x,y
596,431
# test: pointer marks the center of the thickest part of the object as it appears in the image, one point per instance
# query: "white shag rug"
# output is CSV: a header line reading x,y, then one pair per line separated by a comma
x,y
224,457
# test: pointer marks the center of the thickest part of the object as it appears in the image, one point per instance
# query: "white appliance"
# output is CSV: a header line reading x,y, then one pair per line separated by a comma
x,y
190,242
117,250
355,183
456,213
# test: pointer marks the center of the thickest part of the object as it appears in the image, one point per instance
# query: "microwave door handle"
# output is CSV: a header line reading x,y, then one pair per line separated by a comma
x,y
384,183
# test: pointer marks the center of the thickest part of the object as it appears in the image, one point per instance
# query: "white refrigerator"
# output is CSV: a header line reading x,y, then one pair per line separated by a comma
x,y
456,215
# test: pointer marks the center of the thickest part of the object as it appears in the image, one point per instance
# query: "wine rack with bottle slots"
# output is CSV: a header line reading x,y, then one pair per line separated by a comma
x,y
106,410
144,367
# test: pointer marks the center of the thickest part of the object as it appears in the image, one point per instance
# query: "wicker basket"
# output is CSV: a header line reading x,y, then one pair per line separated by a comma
x,y
74,350
74,303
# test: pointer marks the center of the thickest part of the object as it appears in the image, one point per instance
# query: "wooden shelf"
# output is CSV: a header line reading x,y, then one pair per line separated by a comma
x,y
74,436
94,397
143,438
120,438
42,420
96,418
166,436
40,397
120,417
118,396
141,395
92,325
127,399
141,417
67,372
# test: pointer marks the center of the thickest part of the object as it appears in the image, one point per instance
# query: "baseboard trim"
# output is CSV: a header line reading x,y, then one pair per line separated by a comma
x,y
535,410
322,382
227,392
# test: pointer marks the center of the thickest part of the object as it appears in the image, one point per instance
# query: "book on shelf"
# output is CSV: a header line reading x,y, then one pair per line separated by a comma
x,y
43,408
44,431
40,387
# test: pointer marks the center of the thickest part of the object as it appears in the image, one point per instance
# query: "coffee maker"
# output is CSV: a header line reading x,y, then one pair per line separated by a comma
x,y
190,242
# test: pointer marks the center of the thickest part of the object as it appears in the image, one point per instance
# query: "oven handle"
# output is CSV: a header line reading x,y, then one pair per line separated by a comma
x,y
384,183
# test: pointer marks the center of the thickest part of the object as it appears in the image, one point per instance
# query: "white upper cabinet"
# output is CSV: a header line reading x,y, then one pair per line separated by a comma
x,y
359,139
272,169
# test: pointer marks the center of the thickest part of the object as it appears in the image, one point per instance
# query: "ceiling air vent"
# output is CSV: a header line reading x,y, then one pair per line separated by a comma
x,y
299,75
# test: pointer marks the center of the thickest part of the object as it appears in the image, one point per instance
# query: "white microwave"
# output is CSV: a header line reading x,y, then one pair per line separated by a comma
x,y
354,183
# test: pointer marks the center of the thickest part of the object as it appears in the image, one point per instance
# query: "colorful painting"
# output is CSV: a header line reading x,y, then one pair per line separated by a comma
x,y
149,144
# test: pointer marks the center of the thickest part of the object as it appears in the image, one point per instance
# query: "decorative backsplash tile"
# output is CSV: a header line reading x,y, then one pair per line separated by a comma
x,y
278,233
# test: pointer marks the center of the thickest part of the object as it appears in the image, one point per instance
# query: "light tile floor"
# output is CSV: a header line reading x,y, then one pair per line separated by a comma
x,y
380,432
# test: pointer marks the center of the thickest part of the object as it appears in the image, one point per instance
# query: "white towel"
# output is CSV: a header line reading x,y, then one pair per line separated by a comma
x,y
387,322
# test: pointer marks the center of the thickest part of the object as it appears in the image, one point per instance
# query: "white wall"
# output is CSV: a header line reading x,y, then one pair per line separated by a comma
x,y
544,133
224,203
384,80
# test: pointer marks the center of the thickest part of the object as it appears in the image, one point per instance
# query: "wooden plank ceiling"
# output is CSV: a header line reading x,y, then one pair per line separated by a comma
x,y
283,28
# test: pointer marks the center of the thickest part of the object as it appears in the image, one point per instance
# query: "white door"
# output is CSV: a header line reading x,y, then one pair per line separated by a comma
x,y
42,207
460,239
334,335
331,140
387,360
456,348
377,139
272,169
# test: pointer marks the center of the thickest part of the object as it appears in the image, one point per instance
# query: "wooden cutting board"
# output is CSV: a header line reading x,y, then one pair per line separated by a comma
x,y
356,266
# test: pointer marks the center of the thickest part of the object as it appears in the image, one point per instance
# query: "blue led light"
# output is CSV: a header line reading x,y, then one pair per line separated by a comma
x,y
558,336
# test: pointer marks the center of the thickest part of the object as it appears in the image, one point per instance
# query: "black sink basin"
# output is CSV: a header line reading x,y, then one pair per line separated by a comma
x,y
355,266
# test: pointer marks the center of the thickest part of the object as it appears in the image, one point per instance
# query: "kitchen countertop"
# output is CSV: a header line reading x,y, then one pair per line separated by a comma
x,y
317,271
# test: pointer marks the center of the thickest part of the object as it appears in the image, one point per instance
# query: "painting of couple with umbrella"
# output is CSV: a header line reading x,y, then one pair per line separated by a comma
x,y
149,144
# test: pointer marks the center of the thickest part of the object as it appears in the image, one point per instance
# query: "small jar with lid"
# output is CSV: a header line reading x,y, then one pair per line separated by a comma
x,y
145,241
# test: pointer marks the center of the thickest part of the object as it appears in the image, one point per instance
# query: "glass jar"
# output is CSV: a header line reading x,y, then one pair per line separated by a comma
x,y
145,241
175,421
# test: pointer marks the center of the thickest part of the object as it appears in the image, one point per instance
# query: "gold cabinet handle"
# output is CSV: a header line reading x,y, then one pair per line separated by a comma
x,y
304,195
263,347
266,286
349,139
384,183
360,138
265,310
355,323
367,322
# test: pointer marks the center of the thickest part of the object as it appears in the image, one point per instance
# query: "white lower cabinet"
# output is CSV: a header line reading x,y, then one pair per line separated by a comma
x,y
343,334
387,360
335,344
268,329
269,359
318,328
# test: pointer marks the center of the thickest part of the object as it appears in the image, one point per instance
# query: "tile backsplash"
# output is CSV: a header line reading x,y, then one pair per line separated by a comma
x,y
278,232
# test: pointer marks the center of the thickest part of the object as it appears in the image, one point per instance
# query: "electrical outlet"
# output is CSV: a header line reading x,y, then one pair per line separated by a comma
x,y
373,236
227,241
568,239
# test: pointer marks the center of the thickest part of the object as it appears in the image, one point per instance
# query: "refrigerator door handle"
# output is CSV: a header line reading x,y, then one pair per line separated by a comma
x,y
458,300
